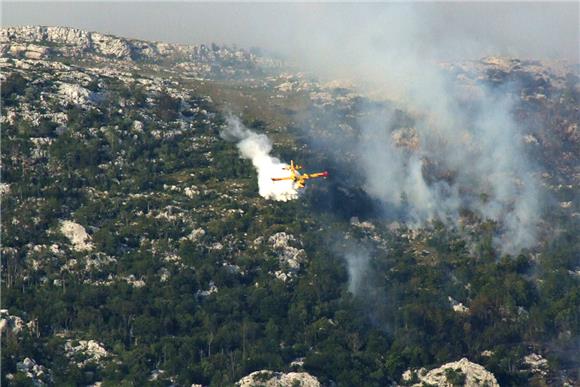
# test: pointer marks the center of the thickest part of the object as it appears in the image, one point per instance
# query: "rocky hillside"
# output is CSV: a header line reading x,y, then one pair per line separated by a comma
x,y
137,250
37,42
546,95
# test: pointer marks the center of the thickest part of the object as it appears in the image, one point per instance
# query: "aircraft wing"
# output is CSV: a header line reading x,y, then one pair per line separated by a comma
x,y
315,175
282,178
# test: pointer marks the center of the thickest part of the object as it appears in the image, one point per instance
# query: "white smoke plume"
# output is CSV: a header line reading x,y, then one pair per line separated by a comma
x,y
357,262
467,152
491,175
257,147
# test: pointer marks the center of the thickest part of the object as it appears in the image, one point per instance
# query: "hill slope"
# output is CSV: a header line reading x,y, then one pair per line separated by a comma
x,y
136,248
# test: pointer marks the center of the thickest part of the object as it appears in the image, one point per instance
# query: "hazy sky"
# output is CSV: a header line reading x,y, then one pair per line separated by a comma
x,y
534,29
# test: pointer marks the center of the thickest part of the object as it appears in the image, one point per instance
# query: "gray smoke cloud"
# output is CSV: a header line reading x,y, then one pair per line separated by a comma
x,y
357,261
469,136
483,166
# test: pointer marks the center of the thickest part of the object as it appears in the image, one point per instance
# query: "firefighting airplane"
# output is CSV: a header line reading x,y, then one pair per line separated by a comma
x,y
298,178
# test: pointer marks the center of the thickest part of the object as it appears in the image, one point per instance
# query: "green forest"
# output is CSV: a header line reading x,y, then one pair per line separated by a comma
x,y
144,171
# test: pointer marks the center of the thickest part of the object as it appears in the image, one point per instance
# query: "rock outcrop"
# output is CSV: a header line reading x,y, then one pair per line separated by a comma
x,y
90,351
75,42
42,42
536,364
278,379
289,256
38,374
458,306
10,324
74,94
461,372
80,240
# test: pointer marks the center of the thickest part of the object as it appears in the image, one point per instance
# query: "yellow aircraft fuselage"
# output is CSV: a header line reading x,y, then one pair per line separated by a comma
x,y
298,178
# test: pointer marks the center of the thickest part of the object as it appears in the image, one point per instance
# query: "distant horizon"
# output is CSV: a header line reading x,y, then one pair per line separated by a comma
x,y
451,31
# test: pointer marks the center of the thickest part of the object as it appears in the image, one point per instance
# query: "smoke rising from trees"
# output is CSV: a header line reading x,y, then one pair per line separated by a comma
x,y
464,150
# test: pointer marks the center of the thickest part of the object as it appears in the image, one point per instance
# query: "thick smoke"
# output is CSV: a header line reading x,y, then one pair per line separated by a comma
x,y
257,147
451,161
464,150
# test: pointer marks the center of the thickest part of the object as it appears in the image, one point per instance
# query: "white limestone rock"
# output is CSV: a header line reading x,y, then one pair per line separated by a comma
x,y
298,362
40,375
257,242
164,274
137,127
285,87
284,277
90,350
530,139
29,51
4,189
475,375
288,255
41,146
196,234
81,241
10,324
191,192
96,261
72,42
157,374
537,364
172,258
212,289
75,94
111,46
133,281
217,246
321,98
278,379
458,306
10,117
365,225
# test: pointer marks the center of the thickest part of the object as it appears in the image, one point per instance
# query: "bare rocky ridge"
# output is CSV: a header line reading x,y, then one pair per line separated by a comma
x,y
76,42
41,42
